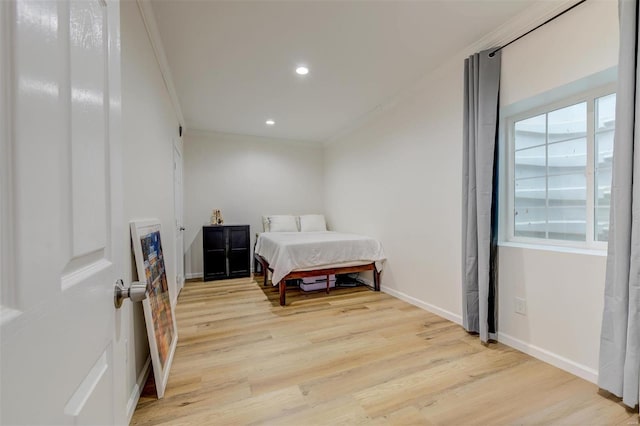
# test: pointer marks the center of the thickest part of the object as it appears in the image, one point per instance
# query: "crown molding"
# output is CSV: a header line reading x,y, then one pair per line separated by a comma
x,y
243,137
531,17
150,24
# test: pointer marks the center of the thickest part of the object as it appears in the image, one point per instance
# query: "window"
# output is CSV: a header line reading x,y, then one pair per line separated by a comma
x,y
560,172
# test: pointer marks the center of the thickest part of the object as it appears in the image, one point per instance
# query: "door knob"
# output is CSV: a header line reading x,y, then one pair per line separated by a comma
x,y
182,228
137,292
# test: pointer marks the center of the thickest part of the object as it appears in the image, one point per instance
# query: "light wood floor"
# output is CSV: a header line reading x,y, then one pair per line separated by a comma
x,y
352,357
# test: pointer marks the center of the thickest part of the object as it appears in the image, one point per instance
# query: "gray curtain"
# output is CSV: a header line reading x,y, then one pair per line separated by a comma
x,y
479,189
619,367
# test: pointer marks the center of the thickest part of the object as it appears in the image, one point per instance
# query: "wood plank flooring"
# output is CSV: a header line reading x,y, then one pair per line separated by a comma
x,y
353,357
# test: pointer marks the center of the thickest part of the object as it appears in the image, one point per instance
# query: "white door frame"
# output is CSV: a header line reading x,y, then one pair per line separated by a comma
x,y
178,197
7,296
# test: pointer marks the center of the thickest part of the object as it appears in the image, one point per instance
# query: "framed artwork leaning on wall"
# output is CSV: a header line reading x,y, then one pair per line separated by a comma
x,y
158,313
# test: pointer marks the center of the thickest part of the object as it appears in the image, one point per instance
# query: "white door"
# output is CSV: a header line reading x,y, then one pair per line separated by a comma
x,y
61,213
178,204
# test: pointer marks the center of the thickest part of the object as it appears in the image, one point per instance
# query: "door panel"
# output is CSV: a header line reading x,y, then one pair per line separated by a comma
x,y
88,125
214,248
239,251
216,264
238,263
38,98
238,236
57,353
87,404
214,239
88,131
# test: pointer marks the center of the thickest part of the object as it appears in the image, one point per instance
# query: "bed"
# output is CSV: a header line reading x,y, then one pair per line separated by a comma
x,y
294,255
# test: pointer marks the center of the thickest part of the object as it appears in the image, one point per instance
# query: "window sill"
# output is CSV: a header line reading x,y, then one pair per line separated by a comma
x,y
557,249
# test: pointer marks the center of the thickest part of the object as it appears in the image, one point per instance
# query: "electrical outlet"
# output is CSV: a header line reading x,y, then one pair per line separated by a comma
x,y
521,306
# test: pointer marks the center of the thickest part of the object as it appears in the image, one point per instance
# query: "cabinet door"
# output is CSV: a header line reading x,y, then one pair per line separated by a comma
x,y
239,251
214,253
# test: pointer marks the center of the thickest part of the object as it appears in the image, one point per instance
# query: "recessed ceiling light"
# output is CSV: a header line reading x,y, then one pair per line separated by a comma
x,y
302,70
270,122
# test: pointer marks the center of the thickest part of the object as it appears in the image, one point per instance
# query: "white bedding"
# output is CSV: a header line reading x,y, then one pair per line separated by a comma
x,y
294,251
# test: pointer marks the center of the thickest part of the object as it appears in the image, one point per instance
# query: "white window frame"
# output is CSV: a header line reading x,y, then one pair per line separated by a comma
x,y
590,244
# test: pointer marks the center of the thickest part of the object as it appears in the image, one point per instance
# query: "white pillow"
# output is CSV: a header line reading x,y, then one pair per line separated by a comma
x,y
312,223
265,223
283,223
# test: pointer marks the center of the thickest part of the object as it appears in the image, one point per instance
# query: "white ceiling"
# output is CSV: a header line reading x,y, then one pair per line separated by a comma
x,y
233,62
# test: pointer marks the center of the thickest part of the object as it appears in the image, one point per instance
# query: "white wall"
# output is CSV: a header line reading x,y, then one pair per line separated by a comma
x,y
149,126
398,178
564,295
578,44
564,292
246,177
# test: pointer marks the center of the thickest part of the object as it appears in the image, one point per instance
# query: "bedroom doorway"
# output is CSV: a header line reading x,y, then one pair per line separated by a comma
x,y
178,190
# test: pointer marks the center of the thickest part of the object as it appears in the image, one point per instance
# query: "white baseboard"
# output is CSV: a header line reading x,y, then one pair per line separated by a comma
x,y
137,389
420,304
549,357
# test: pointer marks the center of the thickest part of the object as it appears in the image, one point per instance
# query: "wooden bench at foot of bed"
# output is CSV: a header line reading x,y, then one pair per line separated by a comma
x,y
318,272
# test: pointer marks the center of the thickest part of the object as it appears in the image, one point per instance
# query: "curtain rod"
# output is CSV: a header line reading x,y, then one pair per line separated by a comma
x,y
532,30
